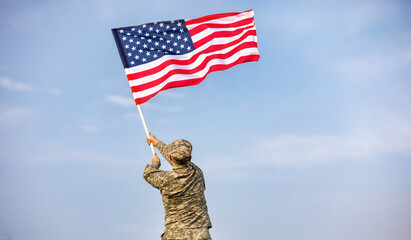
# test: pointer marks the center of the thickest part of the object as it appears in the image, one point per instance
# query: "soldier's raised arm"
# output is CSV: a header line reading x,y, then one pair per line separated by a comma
x,y
153,175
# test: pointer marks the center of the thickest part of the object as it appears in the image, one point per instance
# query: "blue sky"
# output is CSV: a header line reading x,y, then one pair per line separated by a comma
x,y
311,142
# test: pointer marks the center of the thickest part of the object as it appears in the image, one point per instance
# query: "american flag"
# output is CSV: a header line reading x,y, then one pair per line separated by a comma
x,y
161,55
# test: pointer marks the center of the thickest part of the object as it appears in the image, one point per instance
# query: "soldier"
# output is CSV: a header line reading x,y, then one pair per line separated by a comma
x,y
182,190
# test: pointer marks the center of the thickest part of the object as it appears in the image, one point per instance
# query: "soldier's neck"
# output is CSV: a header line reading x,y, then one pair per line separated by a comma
x,y
175,165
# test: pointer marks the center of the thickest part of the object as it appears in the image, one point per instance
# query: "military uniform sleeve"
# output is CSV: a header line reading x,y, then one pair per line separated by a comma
x,y
154,176
164,150
200,171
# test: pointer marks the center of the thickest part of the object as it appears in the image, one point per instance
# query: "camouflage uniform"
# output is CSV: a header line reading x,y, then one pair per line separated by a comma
x,y
182,190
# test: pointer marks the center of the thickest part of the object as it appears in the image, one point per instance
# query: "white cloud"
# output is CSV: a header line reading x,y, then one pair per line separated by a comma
x,y
298,150
55,92
393,136
375,65
294,150
90,129
384,208
306,18
15,86
14,116
134,115
9,84
358,16
120,101
70,155
128,103
171,94
4,67
151,106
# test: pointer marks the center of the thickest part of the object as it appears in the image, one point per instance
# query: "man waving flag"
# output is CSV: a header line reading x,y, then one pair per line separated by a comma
x,y
161,55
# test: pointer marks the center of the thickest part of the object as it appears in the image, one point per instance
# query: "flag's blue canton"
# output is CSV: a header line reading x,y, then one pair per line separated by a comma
x,y
148,42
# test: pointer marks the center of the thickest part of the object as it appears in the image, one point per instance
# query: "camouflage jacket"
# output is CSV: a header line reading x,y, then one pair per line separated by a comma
x,y
182,190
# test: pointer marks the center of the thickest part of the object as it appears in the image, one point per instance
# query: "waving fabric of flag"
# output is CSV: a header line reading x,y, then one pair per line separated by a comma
x,y
161,55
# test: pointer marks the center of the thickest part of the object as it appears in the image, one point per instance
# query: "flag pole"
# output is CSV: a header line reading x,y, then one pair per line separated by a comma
x,y
145,127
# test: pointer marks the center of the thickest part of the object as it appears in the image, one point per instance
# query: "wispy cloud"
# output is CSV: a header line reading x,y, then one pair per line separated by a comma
x,y
4,67
305,17
376,64
299,150
90,129
151,106
55,92
62,154
15,86
14,116
120,101
171,94
128,102
296,150
133,115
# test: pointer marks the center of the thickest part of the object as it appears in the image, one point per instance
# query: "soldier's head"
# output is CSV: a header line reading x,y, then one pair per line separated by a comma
x,y
180,151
